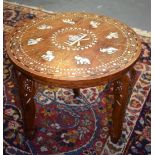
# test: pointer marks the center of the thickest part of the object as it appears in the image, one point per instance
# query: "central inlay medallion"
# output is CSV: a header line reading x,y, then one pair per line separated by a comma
x,y
74,39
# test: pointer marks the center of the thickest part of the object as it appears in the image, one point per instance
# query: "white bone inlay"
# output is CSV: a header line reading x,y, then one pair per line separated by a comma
x,y
68,21
44,26
82,60
94,24
73,39
112,35
48,56
109,50
34,41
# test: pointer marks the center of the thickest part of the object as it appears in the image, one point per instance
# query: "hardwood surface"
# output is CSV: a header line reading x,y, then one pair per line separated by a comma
x,y
74,50
105,56
27,92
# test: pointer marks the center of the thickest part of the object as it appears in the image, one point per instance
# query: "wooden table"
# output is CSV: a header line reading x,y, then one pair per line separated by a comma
x,y
73,50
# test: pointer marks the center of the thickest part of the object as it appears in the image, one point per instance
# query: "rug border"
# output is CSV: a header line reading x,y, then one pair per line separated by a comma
x,y
126,148
130,134
137,30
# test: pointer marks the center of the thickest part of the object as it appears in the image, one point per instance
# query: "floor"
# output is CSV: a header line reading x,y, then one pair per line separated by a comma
x,y
135,13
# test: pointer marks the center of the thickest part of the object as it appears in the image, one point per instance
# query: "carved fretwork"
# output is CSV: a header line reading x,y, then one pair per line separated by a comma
x,y
121,96
27,92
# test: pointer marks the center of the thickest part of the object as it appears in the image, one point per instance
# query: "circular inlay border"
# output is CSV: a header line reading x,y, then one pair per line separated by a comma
x,y
132,46
88,33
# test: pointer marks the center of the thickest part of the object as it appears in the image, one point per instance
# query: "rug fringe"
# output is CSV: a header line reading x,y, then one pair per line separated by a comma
x,y
137,30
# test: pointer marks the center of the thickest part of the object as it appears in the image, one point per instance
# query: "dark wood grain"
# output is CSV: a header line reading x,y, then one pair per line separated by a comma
x,y
27,91
76,92
121,98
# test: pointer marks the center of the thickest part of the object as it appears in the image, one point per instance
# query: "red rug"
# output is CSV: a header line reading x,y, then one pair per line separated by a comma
x,y
75,126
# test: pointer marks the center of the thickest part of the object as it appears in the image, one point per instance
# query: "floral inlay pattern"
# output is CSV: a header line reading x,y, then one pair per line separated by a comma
x,y
34,41
109,50
48,56
82,60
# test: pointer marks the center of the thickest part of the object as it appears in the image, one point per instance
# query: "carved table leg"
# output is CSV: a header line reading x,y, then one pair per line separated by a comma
x,y
132,73
27,92
121,97
76,92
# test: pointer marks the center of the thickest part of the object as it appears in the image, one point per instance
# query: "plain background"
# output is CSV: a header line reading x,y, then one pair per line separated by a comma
x,y
135,13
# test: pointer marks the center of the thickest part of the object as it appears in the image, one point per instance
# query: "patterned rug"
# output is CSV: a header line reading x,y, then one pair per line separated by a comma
x,y
75,126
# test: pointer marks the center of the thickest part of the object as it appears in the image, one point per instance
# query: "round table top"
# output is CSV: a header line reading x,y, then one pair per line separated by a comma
x,y
79,49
